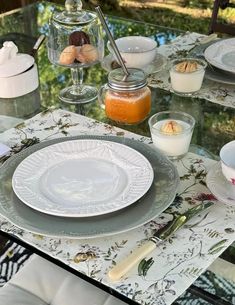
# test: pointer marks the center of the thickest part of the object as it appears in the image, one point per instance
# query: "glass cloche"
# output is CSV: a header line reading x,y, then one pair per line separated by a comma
x,y
75,41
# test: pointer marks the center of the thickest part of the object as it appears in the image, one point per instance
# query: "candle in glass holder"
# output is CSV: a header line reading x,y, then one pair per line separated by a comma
x,y
171,132
187,75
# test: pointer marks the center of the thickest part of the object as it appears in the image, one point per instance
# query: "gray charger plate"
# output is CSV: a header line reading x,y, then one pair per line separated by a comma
x,y
220,76
154,202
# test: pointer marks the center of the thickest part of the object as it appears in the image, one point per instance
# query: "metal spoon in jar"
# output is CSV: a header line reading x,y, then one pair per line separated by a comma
x,y
112,41
37,45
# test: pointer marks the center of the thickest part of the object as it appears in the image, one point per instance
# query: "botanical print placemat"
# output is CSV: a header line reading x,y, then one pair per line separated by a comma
x,y
176,263
180,47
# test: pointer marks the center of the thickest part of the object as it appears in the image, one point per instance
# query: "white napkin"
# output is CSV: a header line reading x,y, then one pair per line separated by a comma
x,y
4,149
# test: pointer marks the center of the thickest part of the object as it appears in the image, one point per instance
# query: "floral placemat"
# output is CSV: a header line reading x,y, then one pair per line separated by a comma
x,y
176,263
180,47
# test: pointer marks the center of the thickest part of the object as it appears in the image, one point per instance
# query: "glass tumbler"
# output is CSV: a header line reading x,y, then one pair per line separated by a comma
x,y
171,132
187,75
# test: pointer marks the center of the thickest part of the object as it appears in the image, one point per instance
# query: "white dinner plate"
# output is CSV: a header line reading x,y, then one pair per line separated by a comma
x,y
221,54
82,178
155,66
220,186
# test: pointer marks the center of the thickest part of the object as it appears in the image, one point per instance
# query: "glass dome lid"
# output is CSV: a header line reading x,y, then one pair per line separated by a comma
x,y
73,14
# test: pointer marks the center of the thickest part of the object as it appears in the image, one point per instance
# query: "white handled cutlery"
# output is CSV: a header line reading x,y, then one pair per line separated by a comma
x,y
140,253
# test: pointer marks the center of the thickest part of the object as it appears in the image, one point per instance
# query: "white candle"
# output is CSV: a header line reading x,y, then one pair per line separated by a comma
x,y
173,145
187,81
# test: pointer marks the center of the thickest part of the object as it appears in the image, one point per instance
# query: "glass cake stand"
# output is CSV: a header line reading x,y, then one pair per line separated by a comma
x,y
75,41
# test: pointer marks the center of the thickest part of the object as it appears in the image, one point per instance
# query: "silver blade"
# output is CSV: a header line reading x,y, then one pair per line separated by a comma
x,y
178,222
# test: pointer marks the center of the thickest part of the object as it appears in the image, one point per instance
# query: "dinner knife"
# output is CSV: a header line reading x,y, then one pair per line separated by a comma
x,y
204,41
161,235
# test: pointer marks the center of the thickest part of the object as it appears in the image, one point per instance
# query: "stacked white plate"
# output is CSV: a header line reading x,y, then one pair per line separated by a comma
x,y
221,58
86,186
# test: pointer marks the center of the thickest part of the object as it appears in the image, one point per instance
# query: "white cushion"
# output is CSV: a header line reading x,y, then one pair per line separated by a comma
x,y
40,278
13,295
49,284
224,269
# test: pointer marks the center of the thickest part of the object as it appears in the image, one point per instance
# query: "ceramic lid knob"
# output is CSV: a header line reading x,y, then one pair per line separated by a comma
x,y
73,14
11,62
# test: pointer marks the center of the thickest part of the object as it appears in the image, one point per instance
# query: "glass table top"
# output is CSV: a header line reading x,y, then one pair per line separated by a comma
x,y
215,124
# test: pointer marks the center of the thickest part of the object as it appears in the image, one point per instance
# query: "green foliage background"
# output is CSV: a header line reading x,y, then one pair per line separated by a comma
x,y
215,124
187,15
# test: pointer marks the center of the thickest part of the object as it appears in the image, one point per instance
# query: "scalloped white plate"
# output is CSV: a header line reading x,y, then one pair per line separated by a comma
x,y
221,54
82,178
220,186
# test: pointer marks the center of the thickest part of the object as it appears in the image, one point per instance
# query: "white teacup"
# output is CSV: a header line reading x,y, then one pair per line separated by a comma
x,y
227,157
136,51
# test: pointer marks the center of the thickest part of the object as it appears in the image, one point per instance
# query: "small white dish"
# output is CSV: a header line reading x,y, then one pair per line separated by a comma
x,y
136,51
219,186
7,122
221,54
158,64
4,150
82,178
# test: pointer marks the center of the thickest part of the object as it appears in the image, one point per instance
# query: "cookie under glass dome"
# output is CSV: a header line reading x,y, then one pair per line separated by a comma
x,y
75,41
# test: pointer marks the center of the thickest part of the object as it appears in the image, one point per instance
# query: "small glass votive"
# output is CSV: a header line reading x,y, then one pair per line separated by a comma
x,y
187,75
171,132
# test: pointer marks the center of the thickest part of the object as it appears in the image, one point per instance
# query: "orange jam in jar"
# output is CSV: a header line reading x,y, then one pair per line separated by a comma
x,y
128,107
127,99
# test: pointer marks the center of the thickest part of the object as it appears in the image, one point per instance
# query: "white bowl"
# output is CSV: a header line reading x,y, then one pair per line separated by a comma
x,y
137,51
227,157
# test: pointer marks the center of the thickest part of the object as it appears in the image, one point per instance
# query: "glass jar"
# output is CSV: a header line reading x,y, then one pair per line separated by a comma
x,y
126,99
